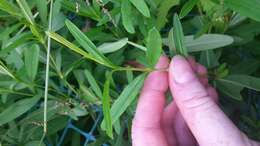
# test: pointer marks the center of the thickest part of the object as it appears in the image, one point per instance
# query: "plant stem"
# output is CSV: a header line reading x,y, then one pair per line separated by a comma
x,y
133,69
14,92
146,70
47,72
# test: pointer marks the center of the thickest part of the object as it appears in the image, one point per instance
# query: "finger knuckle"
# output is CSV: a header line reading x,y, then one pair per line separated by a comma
x,y
198,103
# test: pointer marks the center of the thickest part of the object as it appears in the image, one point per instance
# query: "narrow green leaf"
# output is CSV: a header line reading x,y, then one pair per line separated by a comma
x,y
209,59
88,95
126,98
170,43
208,5
249,8
112,47
17,109
118,127
188,6
129,76
34,143
246,67
5,71
79,111
163,10
73,47
206,25
221,68
37,32
15,42
155,2
141,7
58,21
106,108
26,10
43,10
58,59
243,81
154,46
236,19
126,11
93,83
31,60
86,43
170,40
207,42
223,74
179,37
202,43
230,90
37,115
9,8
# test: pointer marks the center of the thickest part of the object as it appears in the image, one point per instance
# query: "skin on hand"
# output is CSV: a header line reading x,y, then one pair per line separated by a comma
x,y
193,118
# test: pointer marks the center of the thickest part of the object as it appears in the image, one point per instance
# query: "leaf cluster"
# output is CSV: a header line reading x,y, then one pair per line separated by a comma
x,y
100,54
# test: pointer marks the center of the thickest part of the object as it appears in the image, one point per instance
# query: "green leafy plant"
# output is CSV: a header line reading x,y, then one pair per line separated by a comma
x,y
62,60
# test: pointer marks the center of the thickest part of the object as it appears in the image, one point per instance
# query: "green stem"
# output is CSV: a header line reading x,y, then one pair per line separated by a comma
x,y
14,92
47,73
145,70
134,69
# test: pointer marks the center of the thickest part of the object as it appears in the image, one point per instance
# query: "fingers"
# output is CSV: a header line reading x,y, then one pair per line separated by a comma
x,y
254,143
208,123
152,100
169,117
202,74
146,128
183,133
212,93
174,119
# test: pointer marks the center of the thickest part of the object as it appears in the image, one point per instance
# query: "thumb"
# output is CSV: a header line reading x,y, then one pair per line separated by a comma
x,y
208,123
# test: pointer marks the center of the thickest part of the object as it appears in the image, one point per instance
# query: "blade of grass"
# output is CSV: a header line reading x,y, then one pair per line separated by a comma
x,y
47,73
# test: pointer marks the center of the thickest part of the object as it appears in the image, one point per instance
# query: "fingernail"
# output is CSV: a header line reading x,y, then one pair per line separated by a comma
x,y
182,71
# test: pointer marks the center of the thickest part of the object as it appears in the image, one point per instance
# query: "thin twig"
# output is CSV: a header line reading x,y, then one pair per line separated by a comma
x,y
47,72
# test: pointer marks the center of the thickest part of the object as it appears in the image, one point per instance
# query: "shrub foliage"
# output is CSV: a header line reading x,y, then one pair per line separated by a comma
x,y
65,59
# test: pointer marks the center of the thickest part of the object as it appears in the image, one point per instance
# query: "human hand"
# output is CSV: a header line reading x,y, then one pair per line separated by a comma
x,y
193,118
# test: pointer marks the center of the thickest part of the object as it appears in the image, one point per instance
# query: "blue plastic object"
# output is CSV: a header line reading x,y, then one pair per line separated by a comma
x,y
89,137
